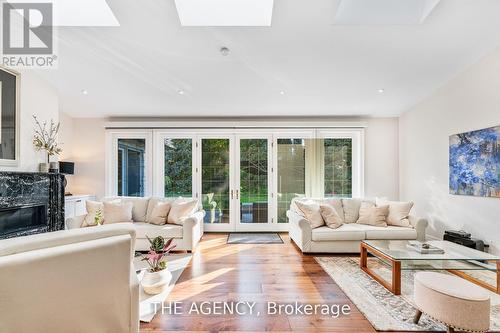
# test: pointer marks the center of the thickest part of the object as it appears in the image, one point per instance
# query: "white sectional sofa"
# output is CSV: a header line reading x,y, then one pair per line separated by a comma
x,y
186,236
346,238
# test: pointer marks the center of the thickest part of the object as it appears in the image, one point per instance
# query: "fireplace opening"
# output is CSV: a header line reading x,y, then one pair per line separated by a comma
x,y
19,219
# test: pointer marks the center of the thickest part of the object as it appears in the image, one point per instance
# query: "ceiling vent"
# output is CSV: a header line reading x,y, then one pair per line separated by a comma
x,y
223,13
383,12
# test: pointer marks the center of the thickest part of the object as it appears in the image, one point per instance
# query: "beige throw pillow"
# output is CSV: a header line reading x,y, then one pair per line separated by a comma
x,y
373,215
159,213
351,210
180,209
116,212
337,204
399,212
310,209
94,208
330,216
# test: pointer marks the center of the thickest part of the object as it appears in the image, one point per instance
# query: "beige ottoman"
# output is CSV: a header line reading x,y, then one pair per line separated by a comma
x,y
452,301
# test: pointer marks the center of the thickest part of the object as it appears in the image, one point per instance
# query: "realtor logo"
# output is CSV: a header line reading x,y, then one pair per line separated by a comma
x,y
27,35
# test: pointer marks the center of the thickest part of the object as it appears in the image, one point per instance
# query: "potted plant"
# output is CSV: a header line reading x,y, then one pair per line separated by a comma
x,y
46,139
157,278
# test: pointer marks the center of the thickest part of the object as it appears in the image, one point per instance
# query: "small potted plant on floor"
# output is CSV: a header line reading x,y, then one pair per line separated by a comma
x,y
157,278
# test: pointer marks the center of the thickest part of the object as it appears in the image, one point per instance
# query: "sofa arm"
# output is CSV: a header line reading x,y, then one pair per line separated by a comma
x,y
74,222
192,229
300,230
419,225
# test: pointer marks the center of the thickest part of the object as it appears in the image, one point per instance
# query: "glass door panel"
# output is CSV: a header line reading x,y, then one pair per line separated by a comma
x,y
131,167
215,180
338,167
291,178
178,167
254,181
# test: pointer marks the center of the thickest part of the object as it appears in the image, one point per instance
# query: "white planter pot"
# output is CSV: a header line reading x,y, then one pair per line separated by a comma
x,y
43,167
155,283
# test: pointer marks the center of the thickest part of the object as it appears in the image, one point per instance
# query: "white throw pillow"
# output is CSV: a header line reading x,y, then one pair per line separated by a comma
x,y
159,213
399,211
351,210
330,216
337,204
93,207
180,209
117,212
310,209
373,215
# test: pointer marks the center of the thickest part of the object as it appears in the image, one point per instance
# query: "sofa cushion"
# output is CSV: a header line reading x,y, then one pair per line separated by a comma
x,y
93,208
310,209
151,230
180,209
399,212
351,209
389,232
345,232
330,216
337,204
139,206
117,212
159,213
373,215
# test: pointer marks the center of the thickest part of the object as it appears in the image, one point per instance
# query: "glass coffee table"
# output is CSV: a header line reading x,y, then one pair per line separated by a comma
x,y
456,259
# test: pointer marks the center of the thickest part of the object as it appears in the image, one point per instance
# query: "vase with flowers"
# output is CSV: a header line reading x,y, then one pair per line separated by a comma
x,y
45,138
157,278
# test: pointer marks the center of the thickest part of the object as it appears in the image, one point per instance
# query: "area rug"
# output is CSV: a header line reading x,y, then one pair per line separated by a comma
x,y
384,310
254,238
176,263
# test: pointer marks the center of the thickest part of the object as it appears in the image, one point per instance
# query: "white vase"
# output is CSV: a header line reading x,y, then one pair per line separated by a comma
x,y
155,283
43,167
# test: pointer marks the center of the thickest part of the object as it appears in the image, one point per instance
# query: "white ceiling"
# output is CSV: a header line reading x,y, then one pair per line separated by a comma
x,y
324,69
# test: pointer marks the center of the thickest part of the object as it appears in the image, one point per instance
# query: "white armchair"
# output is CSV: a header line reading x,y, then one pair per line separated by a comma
x,y
80,280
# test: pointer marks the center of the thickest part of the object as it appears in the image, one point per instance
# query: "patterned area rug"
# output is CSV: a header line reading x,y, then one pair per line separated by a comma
x,y
385,311
254,238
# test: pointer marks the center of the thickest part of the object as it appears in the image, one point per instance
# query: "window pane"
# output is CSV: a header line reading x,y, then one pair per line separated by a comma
x,y
215,179
253,181
338,167
178,167
131,167
291,173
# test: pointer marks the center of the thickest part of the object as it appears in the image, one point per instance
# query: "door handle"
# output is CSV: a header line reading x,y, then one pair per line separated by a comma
x,y
237,194
231,194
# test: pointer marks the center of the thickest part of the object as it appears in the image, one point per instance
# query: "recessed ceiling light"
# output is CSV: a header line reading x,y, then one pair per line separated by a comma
x,y
85,92
282,92
381,90
180,92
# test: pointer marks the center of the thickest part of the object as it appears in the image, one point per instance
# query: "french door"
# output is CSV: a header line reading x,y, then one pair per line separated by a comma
x,y
235,181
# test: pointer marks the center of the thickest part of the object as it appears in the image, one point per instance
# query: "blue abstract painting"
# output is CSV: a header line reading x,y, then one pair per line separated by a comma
x,y
475,163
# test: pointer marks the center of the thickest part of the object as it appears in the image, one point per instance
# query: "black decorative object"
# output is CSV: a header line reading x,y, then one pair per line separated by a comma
x,y
35,198
67,168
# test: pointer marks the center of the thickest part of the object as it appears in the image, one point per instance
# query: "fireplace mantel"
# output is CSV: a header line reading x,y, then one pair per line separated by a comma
x,y
31,188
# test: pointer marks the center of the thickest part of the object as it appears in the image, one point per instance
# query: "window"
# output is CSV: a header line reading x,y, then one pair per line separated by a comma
x,y
178,167
338,167
131,167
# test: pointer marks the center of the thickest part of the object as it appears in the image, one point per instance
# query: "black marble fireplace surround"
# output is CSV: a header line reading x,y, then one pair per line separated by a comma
x,y
30,203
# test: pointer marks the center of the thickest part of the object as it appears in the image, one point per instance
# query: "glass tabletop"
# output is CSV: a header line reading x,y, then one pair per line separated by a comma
x,y
398,250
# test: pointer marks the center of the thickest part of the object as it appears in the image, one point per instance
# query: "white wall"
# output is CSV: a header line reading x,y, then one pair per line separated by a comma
x,y
381,158
470,101
88,153
37,97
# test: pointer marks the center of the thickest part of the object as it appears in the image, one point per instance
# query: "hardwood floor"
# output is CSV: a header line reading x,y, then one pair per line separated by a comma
x,y
255,272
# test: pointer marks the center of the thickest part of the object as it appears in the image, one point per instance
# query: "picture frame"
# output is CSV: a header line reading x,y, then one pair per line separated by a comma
x,y
9,117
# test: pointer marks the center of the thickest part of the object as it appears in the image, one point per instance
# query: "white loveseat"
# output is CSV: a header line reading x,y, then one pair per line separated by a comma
x,y
186,236
80,280
346,238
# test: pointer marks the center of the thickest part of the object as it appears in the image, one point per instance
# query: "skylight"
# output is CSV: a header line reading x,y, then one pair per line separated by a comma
x,y
225,12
